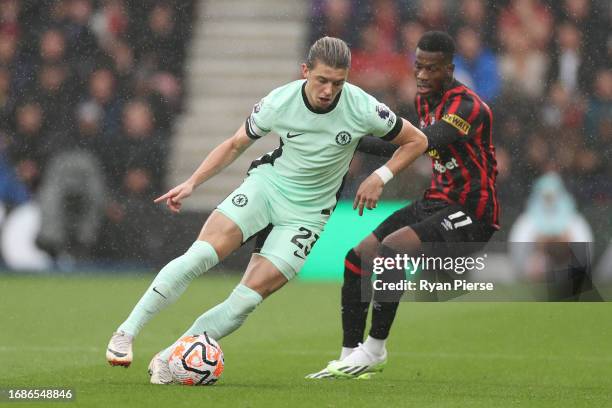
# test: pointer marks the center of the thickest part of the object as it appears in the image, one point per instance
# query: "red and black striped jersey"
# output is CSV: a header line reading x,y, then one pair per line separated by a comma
x,y
464,165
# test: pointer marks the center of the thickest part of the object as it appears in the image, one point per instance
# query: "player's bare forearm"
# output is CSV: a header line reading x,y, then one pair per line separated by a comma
x,y
221,157
412,144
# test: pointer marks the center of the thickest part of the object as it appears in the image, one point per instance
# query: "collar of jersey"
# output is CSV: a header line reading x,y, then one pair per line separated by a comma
x,y
434,100
318,111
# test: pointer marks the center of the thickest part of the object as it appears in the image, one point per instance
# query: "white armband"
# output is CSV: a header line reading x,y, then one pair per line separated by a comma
x,y
384,173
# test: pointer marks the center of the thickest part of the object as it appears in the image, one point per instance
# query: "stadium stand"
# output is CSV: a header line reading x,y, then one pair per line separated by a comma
x,y
89,91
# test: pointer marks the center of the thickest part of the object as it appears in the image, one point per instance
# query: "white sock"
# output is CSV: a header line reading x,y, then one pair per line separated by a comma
x,y
374,346
346,351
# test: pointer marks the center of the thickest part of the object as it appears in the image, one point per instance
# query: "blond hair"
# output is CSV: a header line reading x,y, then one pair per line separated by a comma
x,y
330,51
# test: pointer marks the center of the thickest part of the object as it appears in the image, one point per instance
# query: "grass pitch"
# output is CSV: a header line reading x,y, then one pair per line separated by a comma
x,y
54,330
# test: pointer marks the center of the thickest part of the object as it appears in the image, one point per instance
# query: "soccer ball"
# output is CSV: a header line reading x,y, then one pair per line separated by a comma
x,y
196,360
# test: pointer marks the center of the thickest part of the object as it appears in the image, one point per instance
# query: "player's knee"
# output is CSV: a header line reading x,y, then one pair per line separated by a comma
x,y
367,248
404,240
200,257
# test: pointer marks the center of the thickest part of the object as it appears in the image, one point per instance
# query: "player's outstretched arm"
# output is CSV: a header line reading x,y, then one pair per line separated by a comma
x,y
412,143
219,158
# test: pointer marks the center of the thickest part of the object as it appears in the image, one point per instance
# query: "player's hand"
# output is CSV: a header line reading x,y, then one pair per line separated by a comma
x,y
368,193
176,195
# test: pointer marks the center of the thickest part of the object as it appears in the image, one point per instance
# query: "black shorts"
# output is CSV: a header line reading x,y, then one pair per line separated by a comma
x,y
438,222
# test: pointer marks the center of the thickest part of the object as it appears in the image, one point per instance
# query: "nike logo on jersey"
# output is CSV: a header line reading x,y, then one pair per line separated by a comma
x,y
289,135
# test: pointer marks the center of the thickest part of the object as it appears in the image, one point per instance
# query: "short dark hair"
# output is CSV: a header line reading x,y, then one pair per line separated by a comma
x,y
330,51
438,41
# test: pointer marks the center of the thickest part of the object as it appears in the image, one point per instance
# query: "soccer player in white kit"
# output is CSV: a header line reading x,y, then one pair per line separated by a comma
x,y
320,120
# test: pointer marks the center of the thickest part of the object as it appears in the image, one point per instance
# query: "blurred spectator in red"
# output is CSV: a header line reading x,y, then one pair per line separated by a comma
x,y
9,17
386,18
334,18
110,22
475,65
375,67
529,18
432,14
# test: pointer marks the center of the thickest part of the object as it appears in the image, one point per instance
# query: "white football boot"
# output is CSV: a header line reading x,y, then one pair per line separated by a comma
x,y
119,350
159,370
359,364
321,375
325,374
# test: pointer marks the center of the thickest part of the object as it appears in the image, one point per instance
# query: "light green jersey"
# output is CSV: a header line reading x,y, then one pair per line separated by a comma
x,y
316,148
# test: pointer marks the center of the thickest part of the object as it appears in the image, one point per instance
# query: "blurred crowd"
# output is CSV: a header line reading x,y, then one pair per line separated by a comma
x,y
544,66
89,90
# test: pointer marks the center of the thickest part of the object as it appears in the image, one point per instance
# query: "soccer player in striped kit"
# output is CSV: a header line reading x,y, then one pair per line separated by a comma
x,y
460,206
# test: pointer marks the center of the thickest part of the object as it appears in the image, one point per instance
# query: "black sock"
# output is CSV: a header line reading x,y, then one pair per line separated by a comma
x,y
386,301
356,289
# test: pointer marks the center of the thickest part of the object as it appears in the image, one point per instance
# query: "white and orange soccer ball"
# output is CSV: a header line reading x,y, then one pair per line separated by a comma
x,y
196,360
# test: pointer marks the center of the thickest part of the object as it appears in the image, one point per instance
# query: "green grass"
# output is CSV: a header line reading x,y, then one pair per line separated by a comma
x,y
53,332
